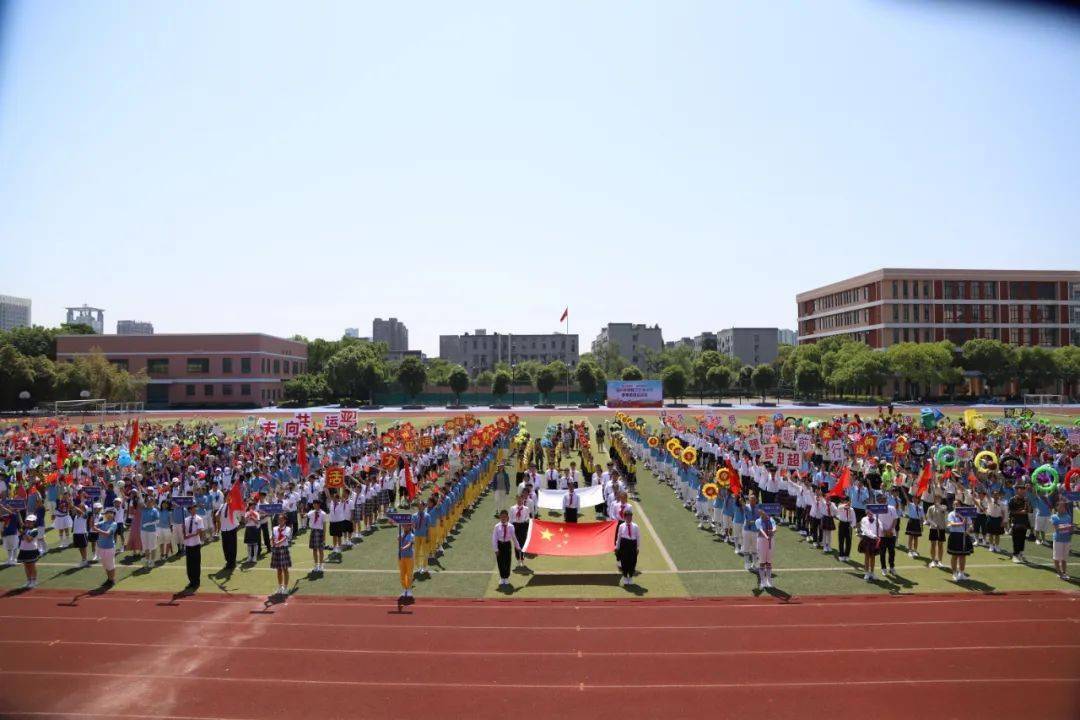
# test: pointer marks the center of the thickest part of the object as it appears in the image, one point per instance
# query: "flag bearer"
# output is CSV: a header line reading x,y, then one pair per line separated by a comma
x,y
627,540
503,540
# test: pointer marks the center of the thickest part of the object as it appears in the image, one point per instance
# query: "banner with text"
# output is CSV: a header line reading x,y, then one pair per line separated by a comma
x,y
635,393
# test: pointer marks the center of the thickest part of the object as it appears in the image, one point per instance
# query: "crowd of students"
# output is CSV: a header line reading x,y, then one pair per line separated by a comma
x,y
874,501
180,486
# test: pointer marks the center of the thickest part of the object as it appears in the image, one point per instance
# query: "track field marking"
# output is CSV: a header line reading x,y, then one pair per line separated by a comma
x,y
640,511
499,686
558,628
539,653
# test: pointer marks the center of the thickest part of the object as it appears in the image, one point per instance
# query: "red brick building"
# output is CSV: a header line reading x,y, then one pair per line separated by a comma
x,y
888,306
225,370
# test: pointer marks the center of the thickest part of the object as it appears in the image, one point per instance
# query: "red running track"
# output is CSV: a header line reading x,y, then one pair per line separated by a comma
x,y
140,655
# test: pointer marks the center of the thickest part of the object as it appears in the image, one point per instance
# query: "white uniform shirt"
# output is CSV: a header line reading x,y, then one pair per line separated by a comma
x,y
193,525
503,533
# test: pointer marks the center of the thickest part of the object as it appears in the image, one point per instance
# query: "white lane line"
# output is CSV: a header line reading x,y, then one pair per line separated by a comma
x,y
564,628
640,511
500,686
119,716
539,653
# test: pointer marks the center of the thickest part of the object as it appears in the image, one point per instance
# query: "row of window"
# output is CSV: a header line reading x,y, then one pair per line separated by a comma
x,y
1046,337
851,317
201,366
226,390
482,344
845,297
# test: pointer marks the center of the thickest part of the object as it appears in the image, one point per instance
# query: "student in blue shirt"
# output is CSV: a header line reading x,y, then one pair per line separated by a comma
x,y
859,495
106,533
405,560
1062,523
148,527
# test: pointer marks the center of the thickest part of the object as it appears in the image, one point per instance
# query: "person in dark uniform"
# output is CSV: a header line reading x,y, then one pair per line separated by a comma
x,y
503,539
627,539
571,502
519,518
193,527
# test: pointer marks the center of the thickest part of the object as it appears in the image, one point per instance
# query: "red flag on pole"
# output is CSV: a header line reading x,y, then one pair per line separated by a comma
x,y
134,437
842,484
1030,448
565,314
570,539
301,456
236,500
410,484
61,453
924,480
734,484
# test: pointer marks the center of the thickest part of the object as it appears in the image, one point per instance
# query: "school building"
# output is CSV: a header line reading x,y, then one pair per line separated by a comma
x,y
893,305
199,370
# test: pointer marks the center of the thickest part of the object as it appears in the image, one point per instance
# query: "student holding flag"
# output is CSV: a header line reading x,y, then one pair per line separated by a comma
x,y
627,542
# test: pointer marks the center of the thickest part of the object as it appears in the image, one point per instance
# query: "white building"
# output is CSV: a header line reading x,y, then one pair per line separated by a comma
x,y
479,351
631,340
134,327
14,312
86,315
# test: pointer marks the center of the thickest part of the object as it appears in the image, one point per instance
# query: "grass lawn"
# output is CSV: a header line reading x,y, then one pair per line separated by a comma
x,y
699,564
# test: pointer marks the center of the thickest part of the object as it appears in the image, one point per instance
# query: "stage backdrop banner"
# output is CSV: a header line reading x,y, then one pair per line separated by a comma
x,y
570,539
635,393
589,496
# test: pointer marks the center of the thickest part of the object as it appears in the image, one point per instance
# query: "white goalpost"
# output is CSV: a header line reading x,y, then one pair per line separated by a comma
x,y
1044,399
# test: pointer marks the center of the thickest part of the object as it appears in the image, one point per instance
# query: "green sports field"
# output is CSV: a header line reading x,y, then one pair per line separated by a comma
x,y
676,560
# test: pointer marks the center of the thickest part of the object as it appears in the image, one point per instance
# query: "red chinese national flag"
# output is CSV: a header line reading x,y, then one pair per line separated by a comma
x,y
570,539
565,314
410,484
134,437
61,453
842,483
735,484
235,500
301,456
924,480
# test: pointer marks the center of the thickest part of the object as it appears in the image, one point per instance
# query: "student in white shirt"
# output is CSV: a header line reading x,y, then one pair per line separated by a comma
x,y
519,518
280,557
316,518
503,539
887,547
627,540
571,502
870,532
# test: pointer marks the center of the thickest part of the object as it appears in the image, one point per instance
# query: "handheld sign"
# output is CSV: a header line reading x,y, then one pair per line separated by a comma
x,y
966,512
271,508
93,493
399,518
1072,495
14,504
335,476
770,509
877,508
183,500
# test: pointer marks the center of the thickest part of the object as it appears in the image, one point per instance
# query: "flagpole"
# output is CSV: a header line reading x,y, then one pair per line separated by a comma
x,y
568,364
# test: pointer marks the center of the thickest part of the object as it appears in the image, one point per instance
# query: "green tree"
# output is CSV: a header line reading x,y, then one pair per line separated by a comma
x,y
459,382
719,380
808,379
33,341
500,384
1067,360
545,381
356,372
764,379
631,373
993,358
675,381
561,371
412,375
608,357
702,363
746,376
1035,368
16,375
438,371
525,372
485,378
307,389
586,379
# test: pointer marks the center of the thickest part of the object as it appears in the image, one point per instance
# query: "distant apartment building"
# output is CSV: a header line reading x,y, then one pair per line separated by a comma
x,y
352,332
86,315
752,346
14,312
706,341
632,340
892,305
479,351
787,337
684,341
134,327
226,370
392,332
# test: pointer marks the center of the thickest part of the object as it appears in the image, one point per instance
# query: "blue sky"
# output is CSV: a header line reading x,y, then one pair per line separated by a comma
x,y
302,168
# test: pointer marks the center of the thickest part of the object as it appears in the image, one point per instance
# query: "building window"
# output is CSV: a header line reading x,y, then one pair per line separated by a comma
x,y
208,390
226,365
119,364
277,367
245,389
906,312
926,289
189,390
157,366
896,336
895,290
226,389
198,366
295,367
245,366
